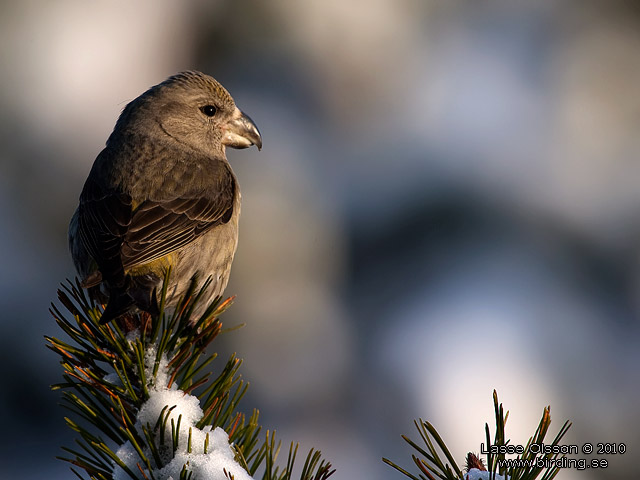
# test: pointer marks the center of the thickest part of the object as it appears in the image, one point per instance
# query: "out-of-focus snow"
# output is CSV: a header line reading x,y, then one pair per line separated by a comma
x,y
475,474
183,412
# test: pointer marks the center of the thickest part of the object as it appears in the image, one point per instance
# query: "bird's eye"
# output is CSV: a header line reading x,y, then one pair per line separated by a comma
x,y
208,110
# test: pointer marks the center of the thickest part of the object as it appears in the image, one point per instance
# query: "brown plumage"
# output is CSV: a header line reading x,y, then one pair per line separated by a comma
x,y
162,194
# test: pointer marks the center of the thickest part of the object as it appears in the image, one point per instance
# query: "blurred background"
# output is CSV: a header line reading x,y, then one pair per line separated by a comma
x,y
447,203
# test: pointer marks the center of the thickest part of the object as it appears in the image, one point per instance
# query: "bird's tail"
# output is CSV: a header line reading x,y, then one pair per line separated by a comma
x,y
120,302
135,293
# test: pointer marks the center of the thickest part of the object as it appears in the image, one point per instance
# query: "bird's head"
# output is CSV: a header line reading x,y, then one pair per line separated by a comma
x,y
193,109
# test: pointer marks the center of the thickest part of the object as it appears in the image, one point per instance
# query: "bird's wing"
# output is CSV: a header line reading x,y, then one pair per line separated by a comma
x,y
120,235
161,227
104,217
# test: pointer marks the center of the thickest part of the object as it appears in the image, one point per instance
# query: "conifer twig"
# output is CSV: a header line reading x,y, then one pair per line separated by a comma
x,y
113,375
432,466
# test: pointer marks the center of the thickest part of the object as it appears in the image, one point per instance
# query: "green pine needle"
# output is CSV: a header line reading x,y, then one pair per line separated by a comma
x,y
108,375
432,466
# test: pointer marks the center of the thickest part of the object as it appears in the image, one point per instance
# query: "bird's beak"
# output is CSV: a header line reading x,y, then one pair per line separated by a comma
x,y
241,132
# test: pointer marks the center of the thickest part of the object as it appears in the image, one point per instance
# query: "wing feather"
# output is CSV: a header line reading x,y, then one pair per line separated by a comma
x,y
120,237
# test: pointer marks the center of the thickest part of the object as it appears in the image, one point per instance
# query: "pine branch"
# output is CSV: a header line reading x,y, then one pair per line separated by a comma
x,y
432,466
145,405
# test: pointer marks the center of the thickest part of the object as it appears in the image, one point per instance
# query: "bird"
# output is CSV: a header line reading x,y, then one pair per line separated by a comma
x,y
162,195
